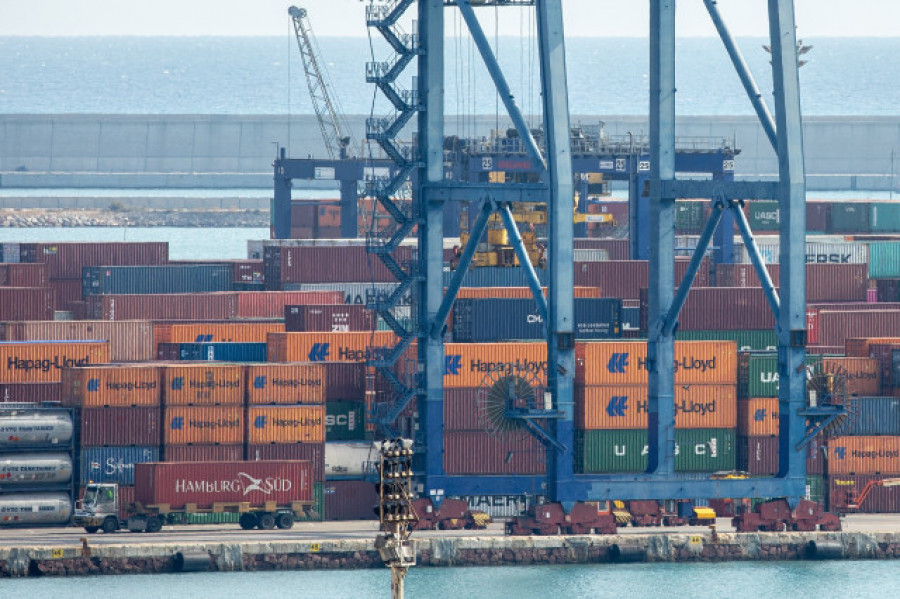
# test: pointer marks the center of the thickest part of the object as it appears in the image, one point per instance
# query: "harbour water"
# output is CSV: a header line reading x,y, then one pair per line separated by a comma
x,y
634,581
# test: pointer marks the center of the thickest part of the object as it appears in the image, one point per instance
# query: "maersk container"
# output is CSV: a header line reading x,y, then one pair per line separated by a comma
x,y
171,278
345,421
696,450
22,509
874,416
27,469
24,428
355,293
763,340
223,352
496,276
350,460
816,252
113,464
884,260
884,217
758,374
487,320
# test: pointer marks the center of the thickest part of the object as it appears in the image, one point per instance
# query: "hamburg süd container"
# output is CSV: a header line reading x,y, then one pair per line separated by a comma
x,y
326,347
624,363
285,424
203,425
34,428
43,361
122,427
626,406
129,340
696,450
864,455
18,509
202,384
109,385
21,469
113,464
297,383
206,483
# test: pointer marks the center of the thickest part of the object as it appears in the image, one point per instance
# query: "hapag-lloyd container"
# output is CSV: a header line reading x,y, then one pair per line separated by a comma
x,y
696,450
43,361
111,386
863,374
874,416
758,456
299,383
37,428
113,464
203,425
477,452
845,489
314,453
122,427
40,468
23,275
202,384
864,455
341,318
325,347
350,500
624,362
129,340
29,392
814,327
65,260
758,416
26,303
474,364
168,278
206,483
285,424
499,319
625,406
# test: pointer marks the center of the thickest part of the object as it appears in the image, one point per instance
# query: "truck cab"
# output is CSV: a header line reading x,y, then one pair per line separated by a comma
x,y
98,509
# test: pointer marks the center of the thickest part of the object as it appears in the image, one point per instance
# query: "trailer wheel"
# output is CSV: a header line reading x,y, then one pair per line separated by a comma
x,y
110,525
267,521
248,521
91,529
154,524
285,521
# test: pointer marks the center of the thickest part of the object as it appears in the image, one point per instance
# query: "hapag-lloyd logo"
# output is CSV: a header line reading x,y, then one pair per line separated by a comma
x,y
243,483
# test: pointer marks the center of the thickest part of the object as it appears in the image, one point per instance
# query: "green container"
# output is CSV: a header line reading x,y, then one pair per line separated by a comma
x,y
884,217
815,488
884,260
746,340
764,216
689,216
850,217
213,518
758,374
345,421
697,450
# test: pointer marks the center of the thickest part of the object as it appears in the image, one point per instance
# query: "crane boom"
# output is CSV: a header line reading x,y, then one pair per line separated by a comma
x,y
334,128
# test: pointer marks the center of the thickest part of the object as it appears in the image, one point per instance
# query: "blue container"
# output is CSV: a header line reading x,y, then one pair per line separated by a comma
x,y
113,464
485,320
884,260
223,352
495,276
874,416
631,318
170,278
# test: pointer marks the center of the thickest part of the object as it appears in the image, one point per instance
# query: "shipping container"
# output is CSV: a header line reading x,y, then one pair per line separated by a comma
x,y
874,416
22,428
29,392
169,278
815,457
204,484
10,253
23,275
690,216
696,450
326,347
757,456
815,489
314,453
864,455
625,278
626,406
464,409
485,453
516,292
44,361
814,330
858,347
839,252
863,374
65,291
345,421
624,363
202,453
721,308
500,506
497,276
327,265
884,260
743,275
757,374
215,332
884,217
488,320
44,469
350,500
271,304
618,249
835,327
342,318
113,464
203,425
745,340
354,293
849,217
845,489
763,216
299,383
285,424
111,386
65,260
26,303
476,364
248,271
758,416
345,381
202,384
217,352
172,306
129,340
350,460
20,509
119,427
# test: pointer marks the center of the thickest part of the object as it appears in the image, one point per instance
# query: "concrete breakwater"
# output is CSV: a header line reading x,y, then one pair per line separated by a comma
x,y
32,218
445,552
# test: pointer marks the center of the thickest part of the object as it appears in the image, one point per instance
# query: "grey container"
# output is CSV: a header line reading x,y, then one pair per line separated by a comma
x,y
172,278
874,416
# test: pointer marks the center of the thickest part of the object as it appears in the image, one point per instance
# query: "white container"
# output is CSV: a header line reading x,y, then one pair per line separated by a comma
x,y
350,460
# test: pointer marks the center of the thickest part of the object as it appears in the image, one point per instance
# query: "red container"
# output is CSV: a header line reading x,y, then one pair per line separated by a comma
x,y
207,483
327,264
813,326
26,303
202,453
271,304
65,291
845,488
836,282
65,260
314,453
30,392
818,215
815,457
720,308
486,453
618,248
333,319
129,340
350,500
836,327
23,275
757,455
168,306
120,427
625,278
461,411
345,381
743,275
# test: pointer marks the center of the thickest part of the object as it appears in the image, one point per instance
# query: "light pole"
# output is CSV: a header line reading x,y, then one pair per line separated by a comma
x,y
395,511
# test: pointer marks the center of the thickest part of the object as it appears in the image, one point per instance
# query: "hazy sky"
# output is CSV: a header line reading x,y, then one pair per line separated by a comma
x,y
608,18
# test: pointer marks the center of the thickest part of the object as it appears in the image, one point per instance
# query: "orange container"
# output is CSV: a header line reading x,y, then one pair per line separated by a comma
x,y
475,364
236,332
285,383
864,455
44,361
129,340
111,385
758,417
203,425
285,424
517,292
625,362
326,347
206,384
625,407
863,374
858,347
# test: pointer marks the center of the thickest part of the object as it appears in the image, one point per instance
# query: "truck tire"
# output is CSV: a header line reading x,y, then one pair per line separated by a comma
x,y
110,525
91,529
154,524
248,521
285,521
266,521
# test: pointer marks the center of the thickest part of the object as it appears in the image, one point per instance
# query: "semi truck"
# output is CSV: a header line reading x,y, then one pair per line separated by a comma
x,y
266,494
